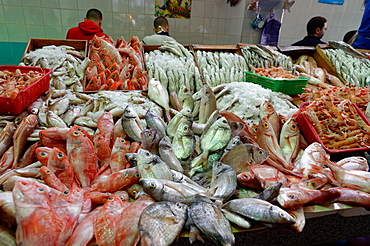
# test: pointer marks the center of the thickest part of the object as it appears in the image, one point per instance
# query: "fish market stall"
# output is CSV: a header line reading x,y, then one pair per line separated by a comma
x,y
188,160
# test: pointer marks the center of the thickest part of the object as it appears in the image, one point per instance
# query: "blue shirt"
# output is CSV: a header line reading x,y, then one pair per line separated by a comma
x,y
363,39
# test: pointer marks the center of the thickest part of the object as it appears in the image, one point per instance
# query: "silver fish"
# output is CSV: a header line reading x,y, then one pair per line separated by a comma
x,y
158,93
152,166
167,190
259,210
132,158
237,219
185,116
53,120
224,182
153,120
70,116
183,143
150,140
60,106
183,179
207,104
167,155
161,223
210,220
131,123
232,144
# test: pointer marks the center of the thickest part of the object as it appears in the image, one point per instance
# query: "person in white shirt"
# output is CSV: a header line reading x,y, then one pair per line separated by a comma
x,y
161,29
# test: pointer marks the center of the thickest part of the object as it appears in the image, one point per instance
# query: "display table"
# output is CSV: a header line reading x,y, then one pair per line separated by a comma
x,y
321,227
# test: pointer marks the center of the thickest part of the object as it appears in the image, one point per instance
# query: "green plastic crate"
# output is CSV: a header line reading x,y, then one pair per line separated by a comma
x,y
286,86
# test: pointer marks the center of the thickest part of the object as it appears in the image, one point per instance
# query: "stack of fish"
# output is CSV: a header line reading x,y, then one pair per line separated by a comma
x,y
173,65
264,56
68,65
306,66
221,67
354,70
116,65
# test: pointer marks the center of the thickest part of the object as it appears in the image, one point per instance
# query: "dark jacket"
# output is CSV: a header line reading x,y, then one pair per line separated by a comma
x,y
85,31
363,39
309,41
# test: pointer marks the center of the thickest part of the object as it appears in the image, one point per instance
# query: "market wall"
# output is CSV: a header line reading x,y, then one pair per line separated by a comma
x,y
211,22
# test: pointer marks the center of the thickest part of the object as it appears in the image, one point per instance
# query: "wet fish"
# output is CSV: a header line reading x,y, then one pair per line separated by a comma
x,y
183,179
53,120
161,223
185,116
268,175
153,120
167,190
158,93
82,157
150,140
207,104
168,156
183,143
117,180
152,166
37,221
224,182
241,156
237,219
23,131
248,180
358,163
270,192
132,158
297,196
6,137
127,230
210,220
267,140
300,219
290,140
258,210
268,110
131,123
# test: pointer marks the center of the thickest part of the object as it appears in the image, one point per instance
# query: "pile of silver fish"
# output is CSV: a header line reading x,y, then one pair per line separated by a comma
x,y
264,56
177,73
354,70
244,99
68,65
221,67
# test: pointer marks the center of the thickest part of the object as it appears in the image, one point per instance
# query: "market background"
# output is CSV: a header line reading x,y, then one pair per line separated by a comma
x,y
211,22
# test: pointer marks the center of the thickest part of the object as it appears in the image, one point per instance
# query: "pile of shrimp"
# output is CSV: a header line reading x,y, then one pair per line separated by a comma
x,y
338,124
274,73
11,83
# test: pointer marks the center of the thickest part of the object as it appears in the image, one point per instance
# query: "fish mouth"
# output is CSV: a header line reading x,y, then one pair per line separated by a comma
x,y
24,185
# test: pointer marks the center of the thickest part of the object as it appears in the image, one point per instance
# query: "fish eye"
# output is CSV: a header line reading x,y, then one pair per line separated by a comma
x,y
292,196
137,175
152,184
43,154
246,176
179,205
122,141
76,133
186,128
265,125
66,192
294,126
147,154
282,215
134,192
41,190
60,155
260,152
111,198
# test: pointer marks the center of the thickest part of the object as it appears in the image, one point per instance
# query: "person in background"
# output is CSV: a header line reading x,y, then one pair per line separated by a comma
x,y
316,28
350,37
161,29
89,28
363,38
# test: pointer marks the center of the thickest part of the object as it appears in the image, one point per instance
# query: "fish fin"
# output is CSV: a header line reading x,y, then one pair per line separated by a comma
x,y
146,239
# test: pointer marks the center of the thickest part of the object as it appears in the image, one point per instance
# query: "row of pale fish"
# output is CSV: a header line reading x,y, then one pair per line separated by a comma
x,y
265,56
221,67
176,73
355,71
68,65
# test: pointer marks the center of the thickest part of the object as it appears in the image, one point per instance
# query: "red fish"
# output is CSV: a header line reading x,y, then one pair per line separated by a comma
x,y
247,179
107,220
127,231
118,159
117,180
268,175
105,125
37,221
82,157
51,180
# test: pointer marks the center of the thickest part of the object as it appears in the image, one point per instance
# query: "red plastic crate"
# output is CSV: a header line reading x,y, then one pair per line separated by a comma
x,y
28,95
310,134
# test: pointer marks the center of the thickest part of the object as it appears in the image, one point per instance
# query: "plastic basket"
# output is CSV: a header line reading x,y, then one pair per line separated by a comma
x,y
28,95
286,86
310,134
